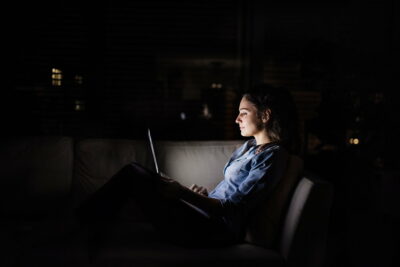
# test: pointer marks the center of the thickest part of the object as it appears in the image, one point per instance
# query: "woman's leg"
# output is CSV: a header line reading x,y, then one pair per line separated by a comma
x,y
174,219
106,202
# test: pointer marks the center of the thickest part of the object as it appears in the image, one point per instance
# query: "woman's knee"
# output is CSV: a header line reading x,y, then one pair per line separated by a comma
x,y
136,174
139,169
130,169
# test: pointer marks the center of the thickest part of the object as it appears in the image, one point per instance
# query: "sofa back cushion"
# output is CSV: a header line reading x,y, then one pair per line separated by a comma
x,y
305,227
195,162
97,160
200,162
264,226
35,174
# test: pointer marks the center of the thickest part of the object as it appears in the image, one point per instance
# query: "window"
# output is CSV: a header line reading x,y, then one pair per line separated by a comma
x,y
56,77
78,79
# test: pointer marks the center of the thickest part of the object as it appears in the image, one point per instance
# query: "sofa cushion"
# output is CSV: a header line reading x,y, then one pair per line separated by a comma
x,y
201,162
97,160
35,175
195,162
265,224
138,245
36,250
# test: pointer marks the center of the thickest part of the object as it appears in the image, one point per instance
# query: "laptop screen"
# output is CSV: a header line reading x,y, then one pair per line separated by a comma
x,y
152,150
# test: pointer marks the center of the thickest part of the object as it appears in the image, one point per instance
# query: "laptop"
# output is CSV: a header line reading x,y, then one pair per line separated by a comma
x,y
158,172
152,150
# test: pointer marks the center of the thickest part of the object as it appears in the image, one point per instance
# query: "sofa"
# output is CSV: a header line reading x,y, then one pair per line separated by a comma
x,y
43,179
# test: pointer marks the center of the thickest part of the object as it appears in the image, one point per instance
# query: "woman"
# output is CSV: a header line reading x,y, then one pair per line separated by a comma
x,y
192,216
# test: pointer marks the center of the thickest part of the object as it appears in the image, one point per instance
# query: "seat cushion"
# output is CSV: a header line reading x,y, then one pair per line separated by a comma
x,y
39,249
138,245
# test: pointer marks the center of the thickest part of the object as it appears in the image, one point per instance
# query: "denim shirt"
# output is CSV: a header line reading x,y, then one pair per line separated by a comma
x,y
247,177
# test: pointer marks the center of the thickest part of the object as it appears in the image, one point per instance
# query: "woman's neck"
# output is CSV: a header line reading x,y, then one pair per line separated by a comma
x,y
262,138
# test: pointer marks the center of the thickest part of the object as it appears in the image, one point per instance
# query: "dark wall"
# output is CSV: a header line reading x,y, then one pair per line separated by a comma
x,y
147,62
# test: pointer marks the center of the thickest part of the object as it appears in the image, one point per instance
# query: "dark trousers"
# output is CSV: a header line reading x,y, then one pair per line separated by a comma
x,y
174,219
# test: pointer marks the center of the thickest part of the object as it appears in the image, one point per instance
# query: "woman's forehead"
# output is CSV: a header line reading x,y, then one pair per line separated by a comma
x,y
246,105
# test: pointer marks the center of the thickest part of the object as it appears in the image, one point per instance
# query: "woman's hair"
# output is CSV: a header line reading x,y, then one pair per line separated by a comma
x,y
282,125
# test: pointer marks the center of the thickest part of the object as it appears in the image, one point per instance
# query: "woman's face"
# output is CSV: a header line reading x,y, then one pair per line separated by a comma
x,y
250,123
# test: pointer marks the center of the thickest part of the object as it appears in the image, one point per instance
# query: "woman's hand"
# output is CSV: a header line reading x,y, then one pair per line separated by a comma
x,y
199,189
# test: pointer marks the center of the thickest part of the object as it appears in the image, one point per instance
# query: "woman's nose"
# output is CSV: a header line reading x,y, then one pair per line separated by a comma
x,y
237,120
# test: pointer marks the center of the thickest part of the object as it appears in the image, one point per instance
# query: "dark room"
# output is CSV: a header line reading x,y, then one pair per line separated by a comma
x,y
200,133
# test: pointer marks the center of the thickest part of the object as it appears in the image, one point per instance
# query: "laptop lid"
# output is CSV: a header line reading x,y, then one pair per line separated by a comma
x,y
152,150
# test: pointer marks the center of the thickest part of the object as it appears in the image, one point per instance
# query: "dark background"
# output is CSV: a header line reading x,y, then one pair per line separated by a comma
x,y
180,68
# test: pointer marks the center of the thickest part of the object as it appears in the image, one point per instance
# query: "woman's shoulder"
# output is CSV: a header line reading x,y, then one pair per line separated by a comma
x,y
270,148
269,152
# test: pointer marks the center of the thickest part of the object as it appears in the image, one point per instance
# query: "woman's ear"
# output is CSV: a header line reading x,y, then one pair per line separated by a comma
x,y
266,115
